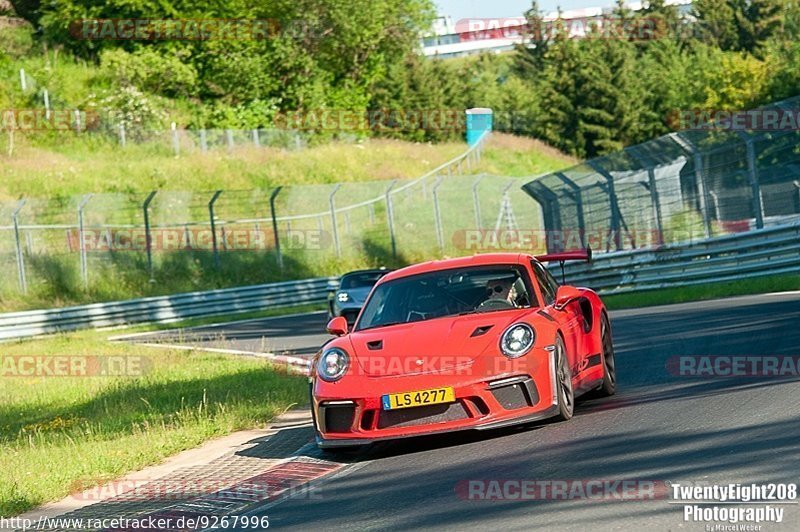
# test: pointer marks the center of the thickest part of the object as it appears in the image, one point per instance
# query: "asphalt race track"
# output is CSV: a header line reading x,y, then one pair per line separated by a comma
x,y
298,335
660,428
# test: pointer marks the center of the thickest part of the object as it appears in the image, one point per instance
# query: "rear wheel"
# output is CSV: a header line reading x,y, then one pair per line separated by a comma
x,y
566,395
609,386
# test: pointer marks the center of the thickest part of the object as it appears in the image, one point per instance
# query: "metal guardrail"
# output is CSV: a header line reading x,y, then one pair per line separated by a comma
x,y
775,250
771,251
165,309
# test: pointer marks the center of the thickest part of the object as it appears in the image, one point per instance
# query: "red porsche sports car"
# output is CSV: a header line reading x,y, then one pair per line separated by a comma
x,y
469,343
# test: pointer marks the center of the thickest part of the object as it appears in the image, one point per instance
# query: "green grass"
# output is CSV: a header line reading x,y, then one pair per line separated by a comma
x,y
211,320
53,271
59,431
762,285
63,165
74,165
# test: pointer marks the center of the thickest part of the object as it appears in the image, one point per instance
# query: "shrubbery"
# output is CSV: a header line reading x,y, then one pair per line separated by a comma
x,y
585,96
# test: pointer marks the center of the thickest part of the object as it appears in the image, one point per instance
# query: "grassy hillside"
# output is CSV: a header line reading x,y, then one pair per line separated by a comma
x,y
78,165
59,174
52,170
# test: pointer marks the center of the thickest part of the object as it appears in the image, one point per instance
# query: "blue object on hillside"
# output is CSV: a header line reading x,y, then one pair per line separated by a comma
x,y
479,121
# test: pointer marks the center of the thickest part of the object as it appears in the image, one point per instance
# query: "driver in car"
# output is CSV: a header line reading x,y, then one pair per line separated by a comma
x,y
501,289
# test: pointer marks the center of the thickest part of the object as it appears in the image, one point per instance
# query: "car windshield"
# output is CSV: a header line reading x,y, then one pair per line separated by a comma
x,y
447,293
360,280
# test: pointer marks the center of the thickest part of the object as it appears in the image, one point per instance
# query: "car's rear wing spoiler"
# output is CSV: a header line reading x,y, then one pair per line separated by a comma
x,y
585,254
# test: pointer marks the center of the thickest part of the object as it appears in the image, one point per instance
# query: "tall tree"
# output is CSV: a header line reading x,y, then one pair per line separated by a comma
x,y
558,121
657,21
538,34
758,21
740,25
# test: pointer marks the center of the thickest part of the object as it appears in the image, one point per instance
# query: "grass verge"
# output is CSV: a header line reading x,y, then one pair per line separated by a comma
x,y
80,165
58,432
763,285
226,318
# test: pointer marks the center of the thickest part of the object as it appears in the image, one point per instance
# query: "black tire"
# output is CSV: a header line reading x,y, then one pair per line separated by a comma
x,y
566,394
609,386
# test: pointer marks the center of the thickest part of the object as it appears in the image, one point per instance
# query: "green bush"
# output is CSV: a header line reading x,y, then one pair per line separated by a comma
x,y
151,71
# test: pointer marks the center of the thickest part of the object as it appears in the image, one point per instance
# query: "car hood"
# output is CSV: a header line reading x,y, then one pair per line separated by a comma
x,y
357,295
430,346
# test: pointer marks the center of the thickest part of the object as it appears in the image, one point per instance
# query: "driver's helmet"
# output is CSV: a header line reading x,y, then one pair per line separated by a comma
x,y
501,289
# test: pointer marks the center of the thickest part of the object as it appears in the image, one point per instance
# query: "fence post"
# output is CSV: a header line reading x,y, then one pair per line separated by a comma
x,y
77,121
122,135
715,201
148,241
437,213
796,184
616,223
203,141
703,191
46,97
229,134
577,196
214,227
651,186
23,283
390,216
333,220
256,140
651,178
506,213
275,225
176,145
476,203
82,241
22,81
752,170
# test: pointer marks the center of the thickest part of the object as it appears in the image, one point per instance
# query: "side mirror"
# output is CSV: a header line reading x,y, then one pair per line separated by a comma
x,y
337,326
565,295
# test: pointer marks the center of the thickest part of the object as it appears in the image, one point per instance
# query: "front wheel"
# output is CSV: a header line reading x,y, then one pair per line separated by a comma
x,y
566,395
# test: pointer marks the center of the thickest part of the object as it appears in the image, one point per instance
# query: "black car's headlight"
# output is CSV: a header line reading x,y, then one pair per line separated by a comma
x,y
517,340
333,364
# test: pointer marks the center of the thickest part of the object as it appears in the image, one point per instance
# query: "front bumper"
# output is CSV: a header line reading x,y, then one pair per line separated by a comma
x,y
337,443
481,404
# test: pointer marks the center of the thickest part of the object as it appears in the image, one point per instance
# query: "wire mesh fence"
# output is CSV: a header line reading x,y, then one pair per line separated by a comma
x,y
117,245
716,178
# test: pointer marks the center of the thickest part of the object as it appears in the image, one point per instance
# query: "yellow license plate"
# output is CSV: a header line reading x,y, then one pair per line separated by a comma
x,y
436,396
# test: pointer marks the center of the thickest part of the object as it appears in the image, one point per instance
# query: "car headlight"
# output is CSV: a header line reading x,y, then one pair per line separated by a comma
x,y
333,364
517,340
343,297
